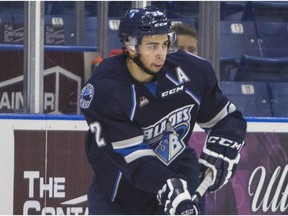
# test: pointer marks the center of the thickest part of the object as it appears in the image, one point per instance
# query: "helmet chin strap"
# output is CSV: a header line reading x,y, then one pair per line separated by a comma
x,y
139,63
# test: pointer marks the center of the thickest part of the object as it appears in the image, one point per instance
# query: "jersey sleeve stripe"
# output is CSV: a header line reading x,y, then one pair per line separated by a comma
x,y
126,151
191,94
128,142
116,186
172,79
228,108
133,108
138,154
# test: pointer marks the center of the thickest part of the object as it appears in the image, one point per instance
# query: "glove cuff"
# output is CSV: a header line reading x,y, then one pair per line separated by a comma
x,y
187,208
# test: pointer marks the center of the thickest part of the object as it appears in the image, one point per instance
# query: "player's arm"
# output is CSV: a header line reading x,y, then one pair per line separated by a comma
x,y
221,152
226,129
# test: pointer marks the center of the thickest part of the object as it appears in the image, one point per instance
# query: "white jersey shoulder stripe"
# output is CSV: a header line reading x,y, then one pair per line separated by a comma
x,y
228,108
128,142
138,154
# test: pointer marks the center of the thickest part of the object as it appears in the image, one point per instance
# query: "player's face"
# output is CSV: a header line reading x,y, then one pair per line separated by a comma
x,y
153,51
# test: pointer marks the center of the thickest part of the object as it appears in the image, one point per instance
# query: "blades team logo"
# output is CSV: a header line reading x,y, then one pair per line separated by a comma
x,y
87,94
168,134
170,145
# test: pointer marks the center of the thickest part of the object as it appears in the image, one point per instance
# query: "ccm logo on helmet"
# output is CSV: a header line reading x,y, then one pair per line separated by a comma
x,y
161,24
225,142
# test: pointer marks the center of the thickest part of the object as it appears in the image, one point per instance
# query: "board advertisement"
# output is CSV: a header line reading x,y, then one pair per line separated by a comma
x,y
44,170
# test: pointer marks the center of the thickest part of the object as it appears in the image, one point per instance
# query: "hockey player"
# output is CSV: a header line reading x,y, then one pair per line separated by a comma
x,y
141,107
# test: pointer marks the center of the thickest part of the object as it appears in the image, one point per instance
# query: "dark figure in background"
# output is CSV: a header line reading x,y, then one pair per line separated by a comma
x,y
187,38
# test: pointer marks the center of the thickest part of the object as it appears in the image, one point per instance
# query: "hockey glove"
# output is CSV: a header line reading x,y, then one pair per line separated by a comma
x,y
176,199
222,156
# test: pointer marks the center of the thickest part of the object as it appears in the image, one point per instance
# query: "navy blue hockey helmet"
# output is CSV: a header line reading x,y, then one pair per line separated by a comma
x,y
138,22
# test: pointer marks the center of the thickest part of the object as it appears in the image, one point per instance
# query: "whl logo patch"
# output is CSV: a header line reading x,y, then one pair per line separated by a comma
x,y
87,94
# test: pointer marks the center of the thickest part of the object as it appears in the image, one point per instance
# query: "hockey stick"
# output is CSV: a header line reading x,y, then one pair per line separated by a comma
x,y
202,188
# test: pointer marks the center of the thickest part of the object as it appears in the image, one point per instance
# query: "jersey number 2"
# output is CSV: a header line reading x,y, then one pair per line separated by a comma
x,y
95,127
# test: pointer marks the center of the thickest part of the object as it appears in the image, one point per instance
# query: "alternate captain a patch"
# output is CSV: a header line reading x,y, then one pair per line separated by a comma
x,y
87,94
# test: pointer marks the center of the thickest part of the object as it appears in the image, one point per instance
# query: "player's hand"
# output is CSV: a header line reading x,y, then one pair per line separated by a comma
x,y
176,199
222,157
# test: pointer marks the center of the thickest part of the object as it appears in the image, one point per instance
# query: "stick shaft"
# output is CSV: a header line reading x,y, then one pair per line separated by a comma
x,y
202,188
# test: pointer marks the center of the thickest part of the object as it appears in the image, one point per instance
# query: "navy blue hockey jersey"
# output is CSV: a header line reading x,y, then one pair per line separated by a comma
x,y
128,120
